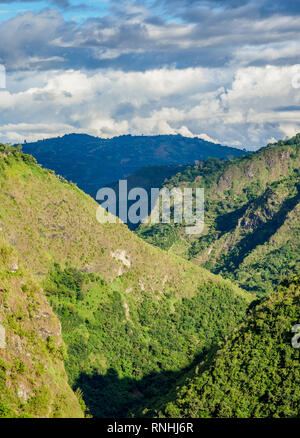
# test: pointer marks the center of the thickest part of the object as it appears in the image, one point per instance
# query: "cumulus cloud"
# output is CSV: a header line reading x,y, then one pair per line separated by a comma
x,y
249,111
136,36
220,70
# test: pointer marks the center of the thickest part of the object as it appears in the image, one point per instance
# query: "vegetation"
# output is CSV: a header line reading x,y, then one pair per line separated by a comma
x,y
256,372
138,330
94,162
129,350
33,382
252,207
133,317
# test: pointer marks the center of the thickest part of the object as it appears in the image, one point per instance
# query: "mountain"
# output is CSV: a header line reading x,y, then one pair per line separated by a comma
x,y
122,318
33,380
93,162
252,207
255,373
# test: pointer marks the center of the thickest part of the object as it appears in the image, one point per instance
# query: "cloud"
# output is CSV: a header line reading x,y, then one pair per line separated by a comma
x,y
134,36
59,3
210,68
263,7
193,102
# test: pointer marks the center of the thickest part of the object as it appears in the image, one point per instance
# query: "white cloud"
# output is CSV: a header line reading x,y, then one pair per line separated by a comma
x,y
207,138
290,129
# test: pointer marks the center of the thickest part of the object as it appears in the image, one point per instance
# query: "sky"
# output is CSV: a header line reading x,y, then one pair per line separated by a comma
x,y
225,71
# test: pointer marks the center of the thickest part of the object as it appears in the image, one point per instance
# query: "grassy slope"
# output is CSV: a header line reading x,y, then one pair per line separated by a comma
x,y
33,381
251,219
48,220
256,372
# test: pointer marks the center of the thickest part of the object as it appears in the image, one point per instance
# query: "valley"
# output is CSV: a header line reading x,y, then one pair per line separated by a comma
x,y
130,312
100,321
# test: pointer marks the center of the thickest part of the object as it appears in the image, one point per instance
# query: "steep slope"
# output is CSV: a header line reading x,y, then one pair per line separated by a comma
x,y
251,217
33,381
147,178
133,316
256,372
126,347
94,162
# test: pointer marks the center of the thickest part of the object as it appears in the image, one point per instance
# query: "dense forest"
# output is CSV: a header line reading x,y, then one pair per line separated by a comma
x,y
256,372
122,353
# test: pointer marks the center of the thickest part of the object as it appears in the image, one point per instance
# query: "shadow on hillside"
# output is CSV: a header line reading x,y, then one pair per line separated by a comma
x,y
261,235
108,396
229,221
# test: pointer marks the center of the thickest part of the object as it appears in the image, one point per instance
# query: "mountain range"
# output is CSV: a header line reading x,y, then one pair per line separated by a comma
x,y
252,206
97,320
124,317
93,162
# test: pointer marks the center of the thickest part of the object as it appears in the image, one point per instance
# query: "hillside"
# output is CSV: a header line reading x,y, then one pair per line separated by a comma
x,y
252,207
255,373
33,381
93,162
133,316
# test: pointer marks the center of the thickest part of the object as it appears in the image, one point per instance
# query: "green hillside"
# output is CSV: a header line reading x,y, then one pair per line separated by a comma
x,y
255,373
133,316
33,381
252,209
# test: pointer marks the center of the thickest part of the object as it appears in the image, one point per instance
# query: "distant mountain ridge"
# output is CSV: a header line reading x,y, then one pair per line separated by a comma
x,y
252,209
93,162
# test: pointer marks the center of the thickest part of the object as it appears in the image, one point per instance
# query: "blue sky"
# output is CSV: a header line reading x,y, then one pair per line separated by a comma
x,y
216,69
73,10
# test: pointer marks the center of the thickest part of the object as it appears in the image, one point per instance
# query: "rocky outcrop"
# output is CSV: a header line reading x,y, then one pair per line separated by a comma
x,y
2,337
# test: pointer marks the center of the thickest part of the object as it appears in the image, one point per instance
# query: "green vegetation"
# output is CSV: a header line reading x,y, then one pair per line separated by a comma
x,y
132,351
133,317
256,372
33,382
252,207
138,331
